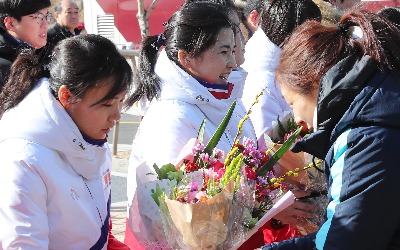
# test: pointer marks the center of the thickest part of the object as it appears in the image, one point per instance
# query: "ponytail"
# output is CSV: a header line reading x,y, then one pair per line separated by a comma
x,y
379,37
24,74
148,83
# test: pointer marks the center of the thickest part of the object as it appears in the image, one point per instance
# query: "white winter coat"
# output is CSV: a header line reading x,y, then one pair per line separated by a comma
x,y
169,124
55,187
261,61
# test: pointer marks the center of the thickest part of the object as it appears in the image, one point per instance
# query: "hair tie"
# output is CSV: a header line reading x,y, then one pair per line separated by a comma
x,y
159,42
341,28
355,32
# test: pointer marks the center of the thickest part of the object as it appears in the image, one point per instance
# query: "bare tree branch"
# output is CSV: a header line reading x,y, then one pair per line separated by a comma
x,y
143,19
151,8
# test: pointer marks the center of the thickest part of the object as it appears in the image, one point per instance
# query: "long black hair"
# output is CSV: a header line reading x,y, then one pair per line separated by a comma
x,y
79,63
193,28
279,18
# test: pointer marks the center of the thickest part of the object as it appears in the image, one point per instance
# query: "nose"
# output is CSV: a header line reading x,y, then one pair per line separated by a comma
x,y
232,62
116,113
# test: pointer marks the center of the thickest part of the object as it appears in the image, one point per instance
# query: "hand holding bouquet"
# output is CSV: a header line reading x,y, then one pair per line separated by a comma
x,y
300,171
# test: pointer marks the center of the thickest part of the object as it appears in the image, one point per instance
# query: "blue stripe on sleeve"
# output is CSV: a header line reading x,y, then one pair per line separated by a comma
x,y
340,147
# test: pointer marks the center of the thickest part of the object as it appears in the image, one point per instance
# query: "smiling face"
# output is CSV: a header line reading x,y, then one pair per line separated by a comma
x,y
216,63
93,118
29,29
303,106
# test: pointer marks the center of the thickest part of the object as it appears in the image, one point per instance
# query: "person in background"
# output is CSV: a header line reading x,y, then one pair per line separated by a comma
x,y
56,191
22,23
66,14
185,82
343,82
278,20
251,16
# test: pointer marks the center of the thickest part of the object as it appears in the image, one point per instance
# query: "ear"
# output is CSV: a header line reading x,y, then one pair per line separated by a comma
x,y
9,23
184,58
254,17
65,96
55,15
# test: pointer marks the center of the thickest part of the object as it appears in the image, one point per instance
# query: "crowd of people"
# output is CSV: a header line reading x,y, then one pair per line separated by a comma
x,y
335,67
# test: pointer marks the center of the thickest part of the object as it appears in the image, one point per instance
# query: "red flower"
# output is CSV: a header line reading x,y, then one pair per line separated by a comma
x,y
250,173
217,166
191,167
265,159
240,147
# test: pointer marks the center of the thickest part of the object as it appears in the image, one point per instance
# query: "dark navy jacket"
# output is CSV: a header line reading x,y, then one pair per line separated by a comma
x,y
358,117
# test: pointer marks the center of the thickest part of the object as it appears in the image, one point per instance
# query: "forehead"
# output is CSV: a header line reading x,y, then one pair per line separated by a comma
x,y
69,5
225,37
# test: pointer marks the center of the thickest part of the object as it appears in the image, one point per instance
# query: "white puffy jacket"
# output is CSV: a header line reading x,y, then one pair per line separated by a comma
x,y
261,61
55,188
170,122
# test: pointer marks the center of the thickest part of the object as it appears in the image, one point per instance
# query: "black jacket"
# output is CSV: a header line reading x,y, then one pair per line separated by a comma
x,y
8,52
58,33
358,135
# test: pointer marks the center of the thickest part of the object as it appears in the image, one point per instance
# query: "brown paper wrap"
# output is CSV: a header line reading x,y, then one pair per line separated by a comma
x,y
203,225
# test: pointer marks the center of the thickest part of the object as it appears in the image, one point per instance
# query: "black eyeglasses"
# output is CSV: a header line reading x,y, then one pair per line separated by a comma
x,y
41,18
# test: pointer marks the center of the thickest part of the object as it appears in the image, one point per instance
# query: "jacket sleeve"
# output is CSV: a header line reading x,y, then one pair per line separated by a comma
x,y
271,103
23,209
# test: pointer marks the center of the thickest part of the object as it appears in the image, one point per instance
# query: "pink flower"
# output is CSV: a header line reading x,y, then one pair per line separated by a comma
x,y
193,186
205,158
218,153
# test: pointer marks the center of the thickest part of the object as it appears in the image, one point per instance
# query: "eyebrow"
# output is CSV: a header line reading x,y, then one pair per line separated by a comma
x,y
225,46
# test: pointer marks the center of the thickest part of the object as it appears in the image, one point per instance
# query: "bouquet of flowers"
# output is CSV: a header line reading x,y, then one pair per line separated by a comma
x,y
300,170
211,195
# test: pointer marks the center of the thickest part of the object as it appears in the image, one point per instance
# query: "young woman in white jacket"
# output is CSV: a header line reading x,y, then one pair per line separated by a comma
x,y
185,83
56,188
278,19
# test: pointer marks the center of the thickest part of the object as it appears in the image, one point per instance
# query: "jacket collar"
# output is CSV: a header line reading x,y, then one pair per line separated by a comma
x,y
49,125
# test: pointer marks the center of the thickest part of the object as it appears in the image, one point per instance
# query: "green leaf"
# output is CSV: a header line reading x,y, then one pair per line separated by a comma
x,y
157,194
178,175
278,154
220,130
281,129
200,135
164,170
157,169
